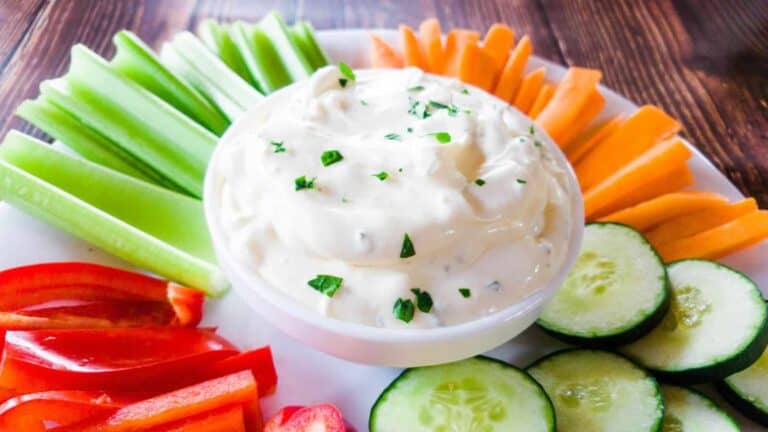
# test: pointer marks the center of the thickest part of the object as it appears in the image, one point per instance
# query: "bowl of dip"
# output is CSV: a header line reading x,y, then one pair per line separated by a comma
x,y
392,217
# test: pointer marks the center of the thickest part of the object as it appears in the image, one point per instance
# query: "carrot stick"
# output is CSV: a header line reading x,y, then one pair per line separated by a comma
x,y
383,55
542,99
635,175
509,80
413,55
590,110
455,42
429,35
498,41
647,126
649,214
673,179
720,241
529,89
587,141
572,95
694,223
477,67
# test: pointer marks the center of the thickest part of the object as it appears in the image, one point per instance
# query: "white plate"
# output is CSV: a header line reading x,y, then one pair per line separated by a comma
x,y
307,376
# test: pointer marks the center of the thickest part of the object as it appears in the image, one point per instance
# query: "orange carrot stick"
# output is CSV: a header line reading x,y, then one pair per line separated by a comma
x,y
529,88
694,223
647,126
455,42
383,55
572,95
476,67
651,213
413,55
587,141
498,41
673,179
432,45
635,175
509,80
542,99
720,241
590,110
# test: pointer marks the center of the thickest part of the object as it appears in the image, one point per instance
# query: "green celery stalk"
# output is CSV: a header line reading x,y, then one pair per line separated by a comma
x,y
135,60
186,56
274,28
261,58
169,216
307,37
218,40
91,145
144,125
44,201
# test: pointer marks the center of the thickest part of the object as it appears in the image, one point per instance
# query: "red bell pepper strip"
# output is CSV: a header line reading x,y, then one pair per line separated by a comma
x,y
322,417
229,419
258,361
116,359
44,286
235,389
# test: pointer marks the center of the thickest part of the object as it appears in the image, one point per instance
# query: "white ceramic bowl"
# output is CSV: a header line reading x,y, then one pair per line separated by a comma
x,y
371,345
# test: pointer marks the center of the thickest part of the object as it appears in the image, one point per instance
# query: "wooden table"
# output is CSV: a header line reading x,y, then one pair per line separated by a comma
x,y
704,61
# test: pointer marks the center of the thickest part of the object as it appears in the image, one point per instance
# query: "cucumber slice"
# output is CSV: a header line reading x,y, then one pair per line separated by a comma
x,y
715,327
617,291
747,390
597,391
293,58
218,40
477,394
688,410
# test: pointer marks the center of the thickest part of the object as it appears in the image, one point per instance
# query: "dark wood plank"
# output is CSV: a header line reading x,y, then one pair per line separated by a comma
x,y
652,52
16,17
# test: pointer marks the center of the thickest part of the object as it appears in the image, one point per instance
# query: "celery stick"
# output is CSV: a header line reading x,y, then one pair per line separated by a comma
x,y
135,60
86,142
293,58
44,201
261,58
188,57
218,40
307,32
296,32
169,216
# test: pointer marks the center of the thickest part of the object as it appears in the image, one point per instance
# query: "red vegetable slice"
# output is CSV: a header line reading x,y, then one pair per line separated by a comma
x,y
258,361
322,417
228,419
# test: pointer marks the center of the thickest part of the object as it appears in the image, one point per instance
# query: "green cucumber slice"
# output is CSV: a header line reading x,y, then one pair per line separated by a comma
x,y
688,410
747,390
216,37
293,58
715,327
617,291
477,394
598,391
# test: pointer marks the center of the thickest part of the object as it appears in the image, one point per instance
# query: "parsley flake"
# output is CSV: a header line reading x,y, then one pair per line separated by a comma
x,y
278,146
330,157
417,88
537,143
416,111
347,71
479,182
532,130
407,250
465,292
410,130
381,176
363,102
465,91
326,284
442,137
423,300
303,183
343,82
521,181
404,310
392,136
452,109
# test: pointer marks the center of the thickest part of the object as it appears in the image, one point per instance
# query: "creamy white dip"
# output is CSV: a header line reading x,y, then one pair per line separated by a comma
x,y
478,192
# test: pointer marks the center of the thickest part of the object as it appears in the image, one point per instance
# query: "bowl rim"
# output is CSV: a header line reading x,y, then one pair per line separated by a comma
x,y
276,298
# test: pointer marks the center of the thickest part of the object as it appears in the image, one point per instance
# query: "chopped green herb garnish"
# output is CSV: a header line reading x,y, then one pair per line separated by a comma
x,y
278,146
521,181
399,170
303,183
465,91
442,137
404,310
420,113
468,112
465,292
347,71
392,136
532,130
438,105
479,182
423,300
363,102
409,129
417,88
343,82
381,176
407,250
452,109
344,200
326,284
537,143
330,157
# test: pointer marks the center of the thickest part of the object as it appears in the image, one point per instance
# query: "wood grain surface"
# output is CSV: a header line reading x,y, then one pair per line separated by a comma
x,y
704,61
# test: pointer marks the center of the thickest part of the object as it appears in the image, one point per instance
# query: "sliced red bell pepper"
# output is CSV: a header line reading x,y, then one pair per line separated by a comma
x,y
54,286
259,361
322,417
115,359
228,419
235,389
